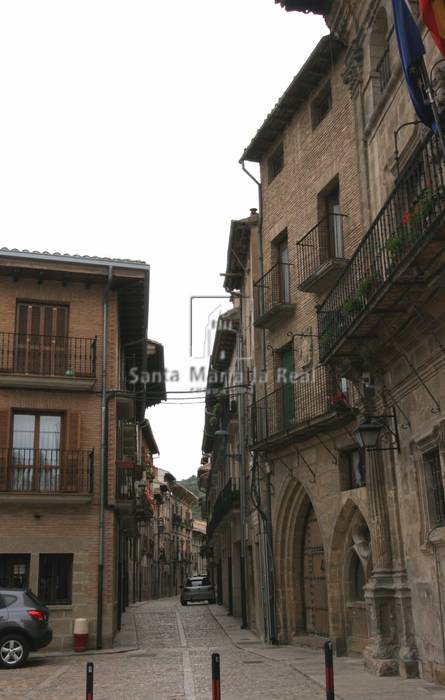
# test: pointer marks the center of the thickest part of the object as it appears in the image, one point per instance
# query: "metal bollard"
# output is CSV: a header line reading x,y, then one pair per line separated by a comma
x,y
329,664
216,677
90,680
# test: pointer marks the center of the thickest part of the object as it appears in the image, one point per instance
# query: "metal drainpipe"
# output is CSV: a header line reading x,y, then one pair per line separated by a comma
x,y
266,531
260,249
242,482
103,456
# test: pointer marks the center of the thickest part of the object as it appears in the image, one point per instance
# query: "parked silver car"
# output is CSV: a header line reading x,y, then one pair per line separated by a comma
x,y
197,588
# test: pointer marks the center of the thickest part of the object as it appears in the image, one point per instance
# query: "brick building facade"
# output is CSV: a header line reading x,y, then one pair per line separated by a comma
x,y
75,447
348,336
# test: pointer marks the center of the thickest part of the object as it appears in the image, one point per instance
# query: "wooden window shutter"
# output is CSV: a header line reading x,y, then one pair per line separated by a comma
x,y
5,420
71,462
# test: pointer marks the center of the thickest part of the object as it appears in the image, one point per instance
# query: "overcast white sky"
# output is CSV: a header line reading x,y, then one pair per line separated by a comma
x,y
121,127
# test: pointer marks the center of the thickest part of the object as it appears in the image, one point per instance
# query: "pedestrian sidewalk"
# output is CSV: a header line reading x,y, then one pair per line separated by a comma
x,y
352,682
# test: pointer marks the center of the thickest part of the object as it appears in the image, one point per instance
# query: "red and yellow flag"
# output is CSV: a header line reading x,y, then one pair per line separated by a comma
x,y
433,15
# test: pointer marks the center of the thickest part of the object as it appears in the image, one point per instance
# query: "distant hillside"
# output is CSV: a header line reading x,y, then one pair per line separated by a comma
x,y
192,485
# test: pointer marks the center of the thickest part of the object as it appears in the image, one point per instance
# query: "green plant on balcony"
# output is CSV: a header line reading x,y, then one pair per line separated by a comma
x,y
397,243
367,286
353,305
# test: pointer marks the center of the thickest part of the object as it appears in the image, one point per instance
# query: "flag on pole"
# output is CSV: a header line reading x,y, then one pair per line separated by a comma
x,y
433,15
412,50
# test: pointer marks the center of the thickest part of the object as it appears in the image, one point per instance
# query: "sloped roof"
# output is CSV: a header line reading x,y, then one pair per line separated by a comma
x,y
237,252
318,7
68,257
316,68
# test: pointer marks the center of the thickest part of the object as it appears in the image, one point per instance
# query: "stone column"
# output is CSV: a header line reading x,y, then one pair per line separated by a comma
x,y
391,649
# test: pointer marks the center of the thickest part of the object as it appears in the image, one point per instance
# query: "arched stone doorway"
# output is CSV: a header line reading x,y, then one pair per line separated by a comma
x,y
351,567
315,595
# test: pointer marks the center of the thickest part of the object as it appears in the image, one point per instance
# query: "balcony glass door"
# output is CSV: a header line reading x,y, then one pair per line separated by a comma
x,y
36,452
336,231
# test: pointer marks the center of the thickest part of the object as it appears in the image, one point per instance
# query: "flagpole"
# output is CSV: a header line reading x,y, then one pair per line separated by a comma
x,y
430,94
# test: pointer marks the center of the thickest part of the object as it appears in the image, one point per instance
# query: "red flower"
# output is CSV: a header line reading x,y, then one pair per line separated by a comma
x,y
406,217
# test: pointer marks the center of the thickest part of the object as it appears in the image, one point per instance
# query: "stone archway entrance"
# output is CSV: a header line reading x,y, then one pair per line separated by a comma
x,y
316,614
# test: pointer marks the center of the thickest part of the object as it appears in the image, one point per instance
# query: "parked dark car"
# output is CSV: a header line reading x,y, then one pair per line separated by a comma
x,y
197,588
23,626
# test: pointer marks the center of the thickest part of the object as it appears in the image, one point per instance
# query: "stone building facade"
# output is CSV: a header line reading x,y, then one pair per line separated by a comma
x,y
75,446
172,535
199,543
345,461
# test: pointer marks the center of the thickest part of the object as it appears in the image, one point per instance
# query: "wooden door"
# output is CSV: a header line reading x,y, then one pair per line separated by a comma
x,y
41,339
315,590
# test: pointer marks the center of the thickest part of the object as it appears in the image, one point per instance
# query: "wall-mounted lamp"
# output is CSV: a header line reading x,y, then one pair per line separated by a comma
x,y
374,429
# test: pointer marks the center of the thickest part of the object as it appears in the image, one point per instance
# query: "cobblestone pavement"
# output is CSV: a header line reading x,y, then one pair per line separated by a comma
x,y
173,662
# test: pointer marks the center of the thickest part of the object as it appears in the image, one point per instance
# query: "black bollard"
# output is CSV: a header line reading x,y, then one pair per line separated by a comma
x,y
216,677
329,664
90,680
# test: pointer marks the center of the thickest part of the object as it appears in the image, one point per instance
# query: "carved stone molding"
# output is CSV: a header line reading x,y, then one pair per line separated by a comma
x,y
353,73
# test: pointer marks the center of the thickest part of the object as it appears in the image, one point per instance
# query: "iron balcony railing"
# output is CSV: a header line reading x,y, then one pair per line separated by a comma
x,y
384,69
46,471
272,289
293,404
414,210
47,355
227,500
127,476
322,243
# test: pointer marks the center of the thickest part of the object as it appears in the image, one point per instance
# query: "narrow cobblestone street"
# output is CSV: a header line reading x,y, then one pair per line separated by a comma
x,y
173,663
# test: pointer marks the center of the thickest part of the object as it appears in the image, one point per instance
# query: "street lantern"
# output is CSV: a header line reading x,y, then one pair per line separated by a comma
x,y
367,433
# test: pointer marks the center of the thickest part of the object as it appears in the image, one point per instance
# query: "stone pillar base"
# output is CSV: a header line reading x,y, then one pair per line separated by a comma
x,y
391,650
381,667
391,667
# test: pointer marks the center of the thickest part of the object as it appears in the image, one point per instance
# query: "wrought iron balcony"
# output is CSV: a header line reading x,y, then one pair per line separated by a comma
x,y
272,296
227,500
144,502
409,226
299,406
127,476
47,356
46,471
320,257
384,69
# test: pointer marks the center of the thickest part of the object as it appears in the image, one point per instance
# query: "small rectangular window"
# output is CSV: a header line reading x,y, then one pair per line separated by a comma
x,y
321,105
435,487
55,578
14,570
275,164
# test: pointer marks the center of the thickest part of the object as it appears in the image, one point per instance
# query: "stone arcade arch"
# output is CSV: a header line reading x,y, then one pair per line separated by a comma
x,y
302,606
350,568
315,594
